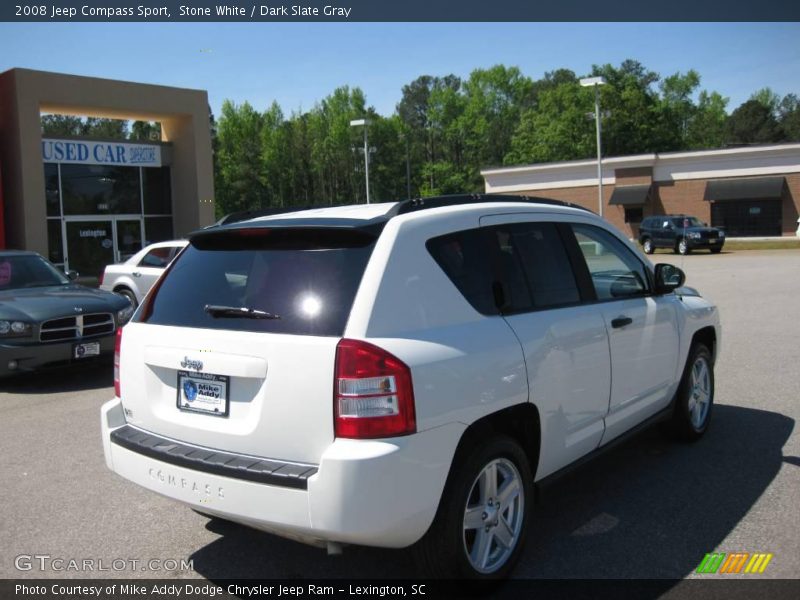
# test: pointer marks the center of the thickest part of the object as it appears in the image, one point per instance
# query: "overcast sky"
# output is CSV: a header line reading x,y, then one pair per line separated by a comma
x,y
297,64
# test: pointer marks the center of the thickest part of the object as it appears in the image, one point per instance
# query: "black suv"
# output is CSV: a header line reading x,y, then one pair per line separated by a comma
x,y
679,232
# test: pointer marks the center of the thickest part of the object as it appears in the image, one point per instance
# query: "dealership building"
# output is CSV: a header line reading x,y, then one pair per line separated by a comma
x,y
751,191
84,203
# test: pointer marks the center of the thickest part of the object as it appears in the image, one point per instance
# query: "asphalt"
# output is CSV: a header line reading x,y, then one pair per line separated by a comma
x,y
650,508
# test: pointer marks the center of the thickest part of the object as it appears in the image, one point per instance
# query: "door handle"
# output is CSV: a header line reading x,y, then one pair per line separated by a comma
x,y
621,322
136,274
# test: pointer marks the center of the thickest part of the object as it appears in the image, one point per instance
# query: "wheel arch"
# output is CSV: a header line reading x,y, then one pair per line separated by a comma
x,y
708,337
123,284
520,422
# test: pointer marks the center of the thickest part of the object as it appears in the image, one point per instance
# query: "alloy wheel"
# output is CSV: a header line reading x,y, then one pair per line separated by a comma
x,y
699,392
493,516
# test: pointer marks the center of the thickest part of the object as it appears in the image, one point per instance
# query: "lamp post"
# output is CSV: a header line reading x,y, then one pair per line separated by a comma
x,y
364,123
596,82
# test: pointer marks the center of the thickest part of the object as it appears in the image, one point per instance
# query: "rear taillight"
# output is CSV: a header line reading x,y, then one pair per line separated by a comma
x,y
102,276
373,396
117,345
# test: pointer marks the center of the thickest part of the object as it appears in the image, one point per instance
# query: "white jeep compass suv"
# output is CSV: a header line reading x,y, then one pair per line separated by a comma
x,y
402,374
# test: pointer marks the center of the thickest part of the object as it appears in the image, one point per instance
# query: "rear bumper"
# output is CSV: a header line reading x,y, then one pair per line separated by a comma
x,y
370,492
30,357
694,244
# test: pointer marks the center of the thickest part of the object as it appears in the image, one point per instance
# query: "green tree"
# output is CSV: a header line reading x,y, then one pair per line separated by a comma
x,y
557,129
145,131
677,109
768,98
708,127
113,129
422,133
753,123
241,178
61,126
789,116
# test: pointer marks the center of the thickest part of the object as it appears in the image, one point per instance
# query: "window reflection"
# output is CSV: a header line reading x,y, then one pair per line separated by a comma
x,y
99,190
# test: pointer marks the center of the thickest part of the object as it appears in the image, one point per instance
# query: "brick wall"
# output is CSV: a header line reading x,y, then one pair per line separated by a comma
x,y
666,197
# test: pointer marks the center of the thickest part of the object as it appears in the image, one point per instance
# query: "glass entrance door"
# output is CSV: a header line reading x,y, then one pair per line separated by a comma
x,y
129,238
90,247
91,244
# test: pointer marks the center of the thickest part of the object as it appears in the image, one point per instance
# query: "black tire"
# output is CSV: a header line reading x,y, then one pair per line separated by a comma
x,y
716,250
129,295
685,423
443,551
682,247
648,246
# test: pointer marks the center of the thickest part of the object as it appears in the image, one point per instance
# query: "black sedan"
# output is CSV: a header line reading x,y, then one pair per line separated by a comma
x,y
48,320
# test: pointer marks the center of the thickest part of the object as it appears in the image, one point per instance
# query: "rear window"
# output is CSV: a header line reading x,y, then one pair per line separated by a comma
x,y
306,279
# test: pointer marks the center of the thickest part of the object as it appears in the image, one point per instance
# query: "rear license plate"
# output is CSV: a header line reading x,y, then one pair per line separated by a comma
x,y
203,393
86,350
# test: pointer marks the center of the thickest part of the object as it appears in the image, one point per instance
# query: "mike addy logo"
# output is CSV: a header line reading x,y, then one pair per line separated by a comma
x,y
738,563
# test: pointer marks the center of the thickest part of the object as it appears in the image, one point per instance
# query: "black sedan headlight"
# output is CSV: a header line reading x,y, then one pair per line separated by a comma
x,y
10,329
124,315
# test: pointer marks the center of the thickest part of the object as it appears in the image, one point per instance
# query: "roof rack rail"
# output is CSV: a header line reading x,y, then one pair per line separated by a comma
x,y
415,204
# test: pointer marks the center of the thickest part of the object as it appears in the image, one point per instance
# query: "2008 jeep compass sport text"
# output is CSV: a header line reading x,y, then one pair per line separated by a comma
x,y
402,374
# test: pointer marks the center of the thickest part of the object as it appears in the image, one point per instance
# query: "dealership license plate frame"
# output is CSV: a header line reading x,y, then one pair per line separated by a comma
x,y
85,350
203,407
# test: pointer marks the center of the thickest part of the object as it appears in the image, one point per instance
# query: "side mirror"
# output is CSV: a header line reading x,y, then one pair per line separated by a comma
x,y
668,278
72,275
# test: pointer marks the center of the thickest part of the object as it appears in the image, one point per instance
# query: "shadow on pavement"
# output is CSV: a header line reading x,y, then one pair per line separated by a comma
x,y
72,378
650,508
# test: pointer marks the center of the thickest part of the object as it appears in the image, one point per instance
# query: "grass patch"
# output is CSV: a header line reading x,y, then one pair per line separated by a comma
x,y
732,246
768,245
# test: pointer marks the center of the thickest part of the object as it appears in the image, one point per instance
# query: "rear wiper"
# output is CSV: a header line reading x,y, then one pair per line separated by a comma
x,y
241,312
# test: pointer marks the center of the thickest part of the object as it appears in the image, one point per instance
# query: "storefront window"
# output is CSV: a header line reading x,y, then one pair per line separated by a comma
x,y
100,190
51,189
157,229
55,248
157,191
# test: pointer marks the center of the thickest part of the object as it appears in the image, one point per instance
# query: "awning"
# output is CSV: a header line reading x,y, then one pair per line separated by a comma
x,y
630,195
751,188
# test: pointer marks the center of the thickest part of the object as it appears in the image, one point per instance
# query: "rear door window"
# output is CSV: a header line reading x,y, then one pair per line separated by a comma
x,y
545,263
305,279
517,267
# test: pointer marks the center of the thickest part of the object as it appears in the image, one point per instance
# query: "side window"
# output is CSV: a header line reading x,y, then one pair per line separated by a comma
x,y
615,271
545,263
157,258
465,258
515,295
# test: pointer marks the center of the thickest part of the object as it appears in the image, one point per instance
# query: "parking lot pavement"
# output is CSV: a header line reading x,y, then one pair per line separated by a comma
x,y
649,508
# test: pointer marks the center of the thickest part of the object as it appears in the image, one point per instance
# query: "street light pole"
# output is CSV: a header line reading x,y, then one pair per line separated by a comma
x,y
365,123
596,82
